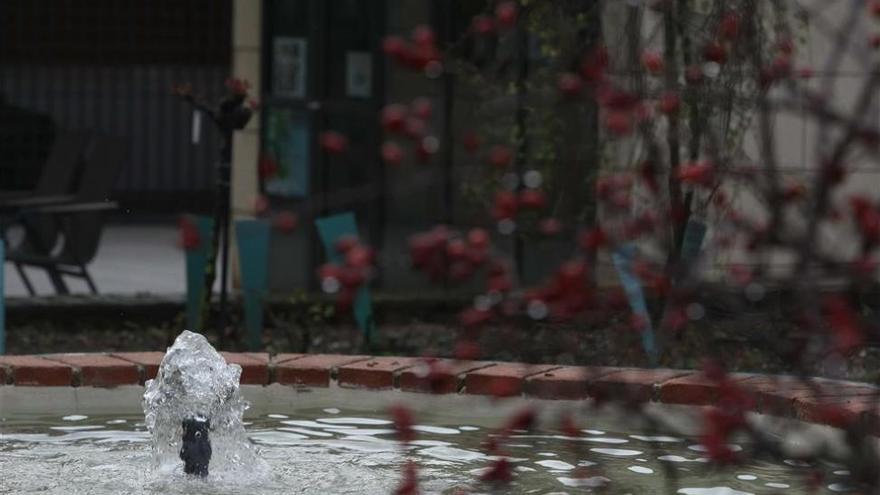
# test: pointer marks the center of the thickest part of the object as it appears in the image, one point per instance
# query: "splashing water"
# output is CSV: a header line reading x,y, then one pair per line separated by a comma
x,y
195,383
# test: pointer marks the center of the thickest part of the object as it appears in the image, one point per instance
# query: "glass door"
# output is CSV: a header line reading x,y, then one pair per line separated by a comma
x,y
323,72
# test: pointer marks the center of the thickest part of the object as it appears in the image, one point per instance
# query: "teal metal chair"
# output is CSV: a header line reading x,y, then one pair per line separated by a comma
x,y
252,238
331,229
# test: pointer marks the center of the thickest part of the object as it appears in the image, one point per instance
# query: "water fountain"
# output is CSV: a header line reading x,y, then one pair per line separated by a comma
x,y
193,410
312,440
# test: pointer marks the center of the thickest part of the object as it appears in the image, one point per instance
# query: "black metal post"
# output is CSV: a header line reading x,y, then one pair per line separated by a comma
x,y
224,186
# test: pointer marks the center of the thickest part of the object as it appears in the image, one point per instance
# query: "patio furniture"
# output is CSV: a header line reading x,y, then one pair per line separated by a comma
x,y
331,229
252,238
56,177
78,221
54,186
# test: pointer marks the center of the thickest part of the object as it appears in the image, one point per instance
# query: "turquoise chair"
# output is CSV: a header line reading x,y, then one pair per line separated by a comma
x,y
252,237
331,229
196,262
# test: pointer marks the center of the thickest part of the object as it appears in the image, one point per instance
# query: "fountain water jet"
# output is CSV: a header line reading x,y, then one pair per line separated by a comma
x,y
193,409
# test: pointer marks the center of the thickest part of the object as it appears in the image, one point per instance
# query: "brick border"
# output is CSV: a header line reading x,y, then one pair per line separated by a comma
x,y
822,401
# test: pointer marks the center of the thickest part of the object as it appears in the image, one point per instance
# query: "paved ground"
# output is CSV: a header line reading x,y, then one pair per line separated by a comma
x,y
131,260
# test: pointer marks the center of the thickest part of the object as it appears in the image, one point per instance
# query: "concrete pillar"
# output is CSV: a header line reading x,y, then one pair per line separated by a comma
x,y
246,40
247,26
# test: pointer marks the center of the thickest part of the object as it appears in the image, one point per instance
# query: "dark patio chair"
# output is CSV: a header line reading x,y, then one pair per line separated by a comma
x,y
54,186
56,177
79,221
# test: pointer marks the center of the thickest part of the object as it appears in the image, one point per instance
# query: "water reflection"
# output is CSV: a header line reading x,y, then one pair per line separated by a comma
x,y
352,452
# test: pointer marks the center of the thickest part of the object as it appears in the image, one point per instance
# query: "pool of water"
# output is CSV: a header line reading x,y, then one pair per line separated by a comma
x,y
329,445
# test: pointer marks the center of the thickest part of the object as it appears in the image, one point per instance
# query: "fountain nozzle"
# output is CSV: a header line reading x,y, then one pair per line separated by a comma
x,y
195,450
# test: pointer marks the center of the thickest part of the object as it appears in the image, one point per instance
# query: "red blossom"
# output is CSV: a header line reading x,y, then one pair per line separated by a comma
x,y
836,416
393,117
694,74
669,103
639,323
522,420
409,485
351,277
460,271
483,24
499,283
467,350
550,226
261,205
532,199
842,319
238,86
426,148
741,274
424,36
864,267
285,221
438,375
648,174
345,299
697,173
652,62
267,167
595,64
794,191
568,427
609,185
393,45
456,249
414,128
570,85
359,256
346,243
675,318
728,28
506,13
472,317
333,142
815,480
619,123
805,72
593,239
785,45
329,271
616,99
505,206
392,153
189,234
422,108
402,418
572,274
715,52
478,238
867,218
471,141
500,472
500,156
421,247
718,425
476,257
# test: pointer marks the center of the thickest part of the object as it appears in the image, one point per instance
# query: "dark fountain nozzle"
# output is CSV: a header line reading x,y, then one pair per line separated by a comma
x,y
196,447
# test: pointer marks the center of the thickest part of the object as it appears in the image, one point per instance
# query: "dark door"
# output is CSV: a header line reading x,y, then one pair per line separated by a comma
x,y
322,72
